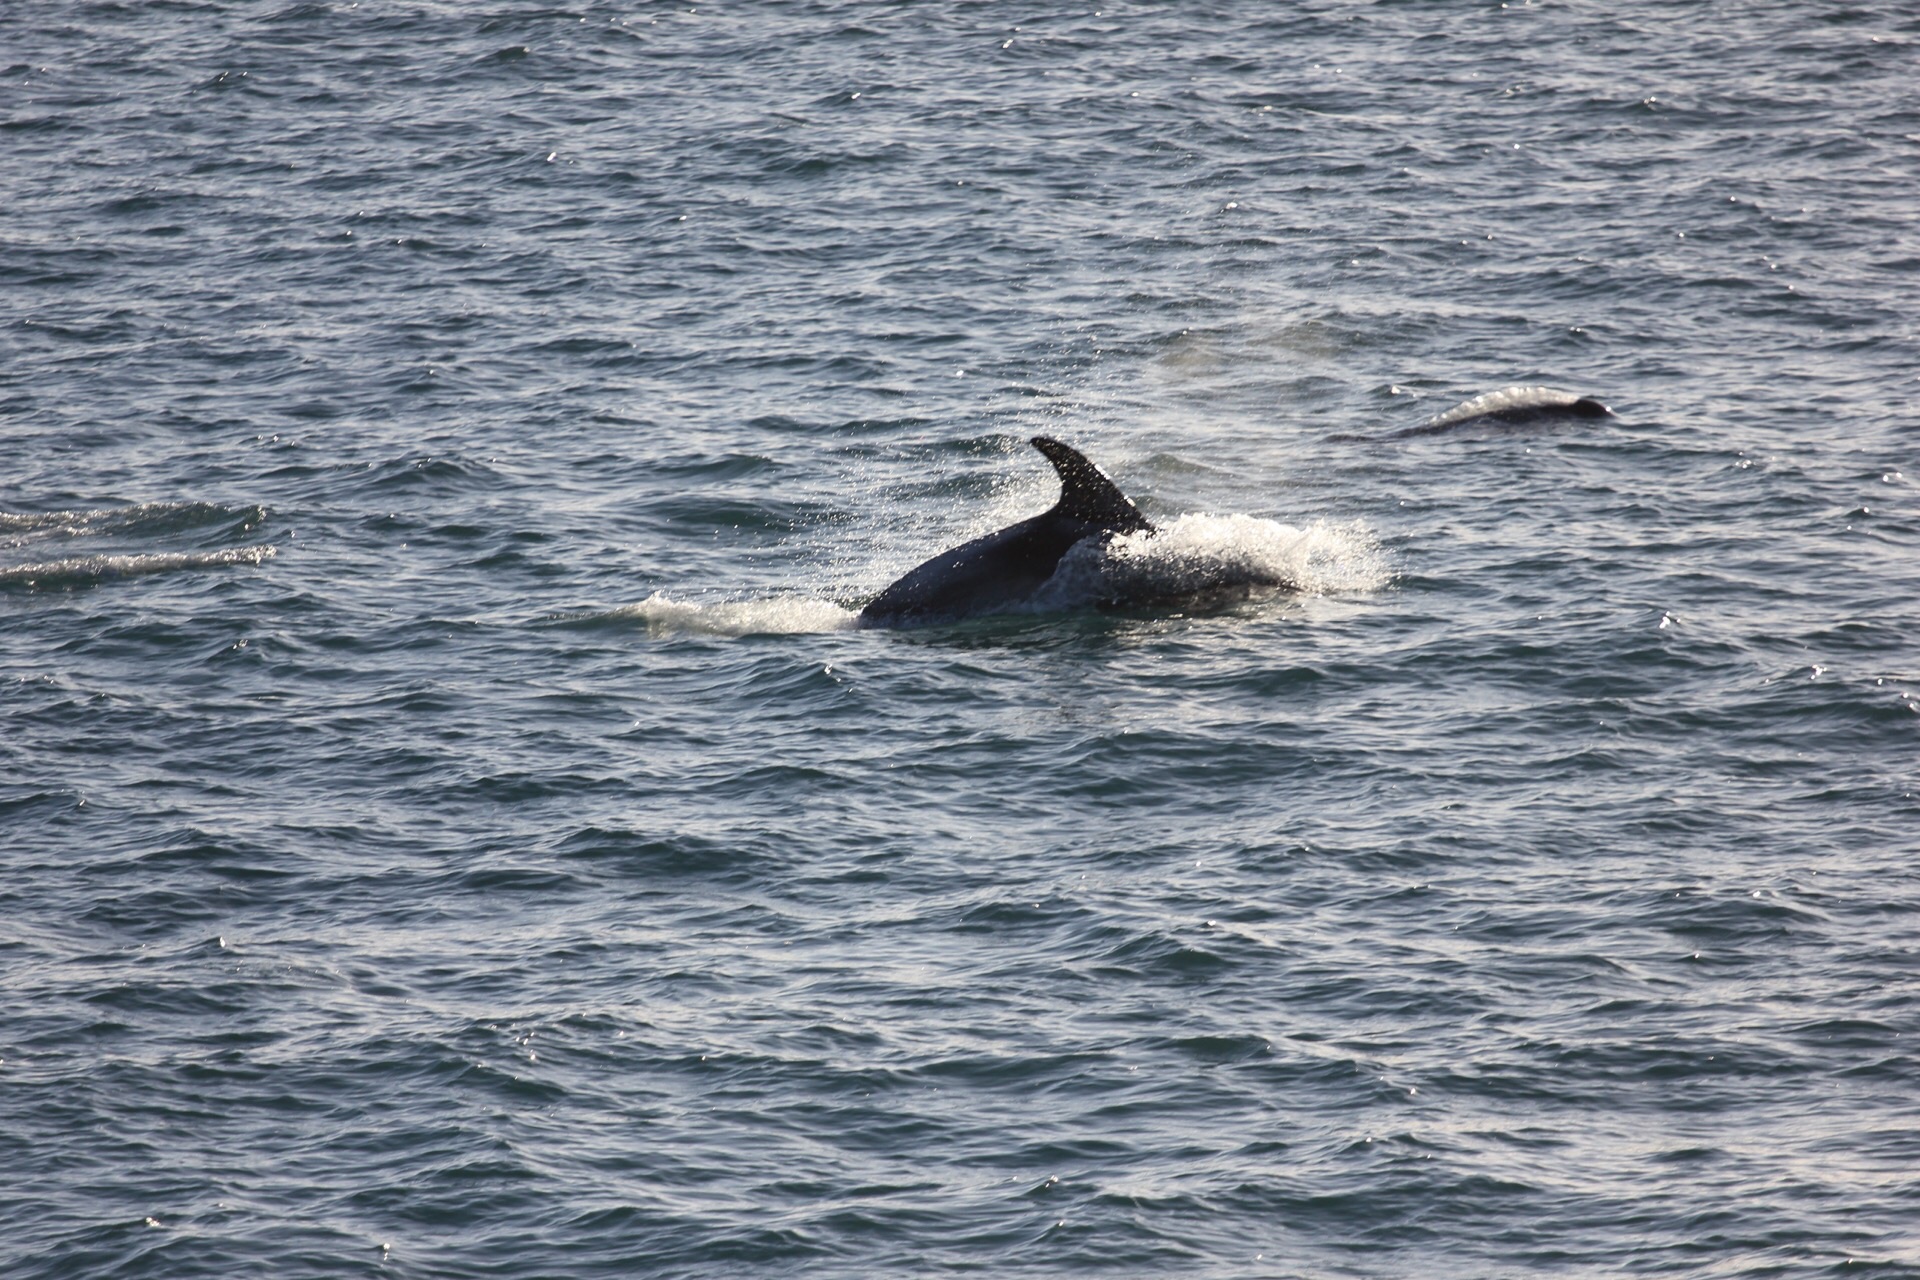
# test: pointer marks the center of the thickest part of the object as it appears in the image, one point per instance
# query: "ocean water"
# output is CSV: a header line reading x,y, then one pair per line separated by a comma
x,y
450,825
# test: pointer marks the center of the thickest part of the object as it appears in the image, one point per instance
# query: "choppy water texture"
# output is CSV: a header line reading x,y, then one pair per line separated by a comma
x,y
452,829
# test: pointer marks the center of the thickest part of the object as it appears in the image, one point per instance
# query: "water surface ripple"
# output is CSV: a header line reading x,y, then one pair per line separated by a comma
x,y
453,829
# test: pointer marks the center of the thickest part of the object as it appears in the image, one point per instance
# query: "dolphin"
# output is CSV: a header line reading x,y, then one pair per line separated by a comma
x,y
999,570
1507,409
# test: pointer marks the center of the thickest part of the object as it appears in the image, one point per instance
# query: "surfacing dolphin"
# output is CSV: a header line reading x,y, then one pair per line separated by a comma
x,y
1508,409
1003,569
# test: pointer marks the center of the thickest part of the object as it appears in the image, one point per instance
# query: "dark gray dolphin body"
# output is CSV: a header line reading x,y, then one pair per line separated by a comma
x,y
1510,409
1005,568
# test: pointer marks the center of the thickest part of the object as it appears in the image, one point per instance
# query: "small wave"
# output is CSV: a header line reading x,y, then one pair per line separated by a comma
x,y
441,474
86,570
788,615
143,517
1201,555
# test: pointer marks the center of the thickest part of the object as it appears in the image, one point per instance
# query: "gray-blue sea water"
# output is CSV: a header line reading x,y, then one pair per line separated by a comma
x,y
450,826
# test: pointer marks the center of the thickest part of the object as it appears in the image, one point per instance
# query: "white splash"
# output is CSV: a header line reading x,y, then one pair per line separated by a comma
x,y
1201,555
785,615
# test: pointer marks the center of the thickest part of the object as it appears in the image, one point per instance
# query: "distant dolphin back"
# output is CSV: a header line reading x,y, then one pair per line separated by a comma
x,y
1508,409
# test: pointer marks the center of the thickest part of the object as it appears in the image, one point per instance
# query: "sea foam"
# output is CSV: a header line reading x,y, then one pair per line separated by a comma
x,y
781,615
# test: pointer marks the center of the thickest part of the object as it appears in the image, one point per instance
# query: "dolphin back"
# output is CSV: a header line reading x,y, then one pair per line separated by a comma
x,y
1510,407
1086,494
999,570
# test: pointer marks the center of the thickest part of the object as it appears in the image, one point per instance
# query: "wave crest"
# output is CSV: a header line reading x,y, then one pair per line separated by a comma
x,y
80,571
143,518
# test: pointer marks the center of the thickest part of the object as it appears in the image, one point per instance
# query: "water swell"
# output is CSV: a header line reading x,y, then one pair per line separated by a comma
x,y
125,538
151,518
82,571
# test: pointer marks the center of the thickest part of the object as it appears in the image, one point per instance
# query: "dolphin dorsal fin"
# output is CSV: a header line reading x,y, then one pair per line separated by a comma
x,y
1086,494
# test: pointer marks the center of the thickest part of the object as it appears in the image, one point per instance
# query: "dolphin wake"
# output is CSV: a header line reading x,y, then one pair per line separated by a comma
x,y
660,614
1205,559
